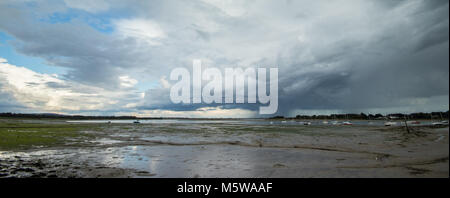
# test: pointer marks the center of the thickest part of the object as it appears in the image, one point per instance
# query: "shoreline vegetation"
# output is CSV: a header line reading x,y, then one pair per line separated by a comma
x,y
16,134
350,116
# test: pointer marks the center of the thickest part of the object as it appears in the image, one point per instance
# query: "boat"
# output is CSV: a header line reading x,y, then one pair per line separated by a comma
x,y
437,123
390,123
440,123
442,119
136,122
348,123
413,122
306,123
325,122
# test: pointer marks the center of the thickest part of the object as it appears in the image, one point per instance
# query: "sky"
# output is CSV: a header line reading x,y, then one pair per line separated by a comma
x,y
111,57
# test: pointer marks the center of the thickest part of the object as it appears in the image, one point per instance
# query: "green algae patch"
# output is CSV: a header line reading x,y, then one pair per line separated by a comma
x,y
15,135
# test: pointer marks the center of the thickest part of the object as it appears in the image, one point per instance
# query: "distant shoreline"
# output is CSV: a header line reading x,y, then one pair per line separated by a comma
x,y
362,116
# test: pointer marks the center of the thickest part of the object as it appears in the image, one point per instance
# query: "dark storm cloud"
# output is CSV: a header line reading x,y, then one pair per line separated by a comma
x,y
401,57
394,69
340,55
159,98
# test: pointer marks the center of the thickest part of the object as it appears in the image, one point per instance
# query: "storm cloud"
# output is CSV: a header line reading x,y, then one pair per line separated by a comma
x,y
333,56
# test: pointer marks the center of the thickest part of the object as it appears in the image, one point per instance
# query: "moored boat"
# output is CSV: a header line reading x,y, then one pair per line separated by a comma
x,y
348,123
390,123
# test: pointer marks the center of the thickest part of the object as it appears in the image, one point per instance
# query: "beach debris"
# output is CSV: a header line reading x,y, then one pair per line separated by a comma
x,y
278,165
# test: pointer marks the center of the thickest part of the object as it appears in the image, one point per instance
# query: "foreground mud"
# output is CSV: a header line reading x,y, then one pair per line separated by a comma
x,y
233,149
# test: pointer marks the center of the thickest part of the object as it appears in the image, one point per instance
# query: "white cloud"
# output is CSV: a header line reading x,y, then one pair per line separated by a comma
x,y
88,5
140,29
164,83
47,92
126,81
234,8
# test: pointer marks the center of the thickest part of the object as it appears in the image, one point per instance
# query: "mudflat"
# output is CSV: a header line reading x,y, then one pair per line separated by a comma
x,y
219,148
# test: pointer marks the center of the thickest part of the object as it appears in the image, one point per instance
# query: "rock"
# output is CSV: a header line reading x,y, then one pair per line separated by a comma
x,y
279,165
25,169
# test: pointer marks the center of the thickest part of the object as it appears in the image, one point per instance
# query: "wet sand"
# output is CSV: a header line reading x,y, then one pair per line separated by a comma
x,y
233,149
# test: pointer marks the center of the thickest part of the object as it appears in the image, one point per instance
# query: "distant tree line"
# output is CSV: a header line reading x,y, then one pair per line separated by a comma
x,y
363,116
